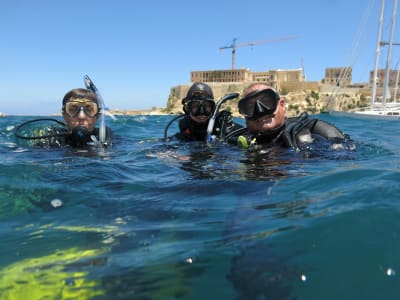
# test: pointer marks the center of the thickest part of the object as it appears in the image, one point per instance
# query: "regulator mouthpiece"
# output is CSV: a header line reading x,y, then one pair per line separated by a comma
x,y
80,135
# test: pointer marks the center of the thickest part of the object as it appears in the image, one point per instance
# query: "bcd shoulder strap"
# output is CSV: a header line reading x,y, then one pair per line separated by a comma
x,y
294,126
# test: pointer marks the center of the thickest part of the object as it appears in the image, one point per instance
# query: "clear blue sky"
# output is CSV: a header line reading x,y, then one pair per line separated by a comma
x,y
135,51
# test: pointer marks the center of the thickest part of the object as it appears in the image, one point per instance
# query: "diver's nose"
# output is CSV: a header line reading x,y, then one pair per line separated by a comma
x,y
81,114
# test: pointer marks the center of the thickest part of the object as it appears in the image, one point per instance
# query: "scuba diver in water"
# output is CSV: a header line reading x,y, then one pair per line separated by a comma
x,y
81,111
267,124
81,108
202,117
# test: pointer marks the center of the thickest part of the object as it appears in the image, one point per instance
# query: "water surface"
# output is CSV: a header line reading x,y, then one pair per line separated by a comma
x,y
149,219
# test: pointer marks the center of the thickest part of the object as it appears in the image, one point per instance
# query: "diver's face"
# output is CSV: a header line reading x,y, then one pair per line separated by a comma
x,y
80,118
201,119
200,109
266,123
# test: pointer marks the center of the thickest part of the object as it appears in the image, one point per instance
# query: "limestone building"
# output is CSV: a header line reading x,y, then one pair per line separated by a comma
x,y
273,77
381,78
340,76
237,75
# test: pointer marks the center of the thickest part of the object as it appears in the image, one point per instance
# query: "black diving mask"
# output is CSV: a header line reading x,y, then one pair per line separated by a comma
x,y
259,103
198,107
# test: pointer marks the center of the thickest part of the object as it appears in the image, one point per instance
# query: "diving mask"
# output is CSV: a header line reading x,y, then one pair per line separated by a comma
x,y
74,107
198,107
259,103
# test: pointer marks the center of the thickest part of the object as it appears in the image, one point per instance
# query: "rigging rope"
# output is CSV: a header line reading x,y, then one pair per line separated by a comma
x,y
358,43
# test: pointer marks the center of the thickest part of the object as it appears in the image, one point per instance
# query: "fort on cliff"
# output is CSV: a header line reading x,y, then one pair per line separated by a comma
x,y
334,92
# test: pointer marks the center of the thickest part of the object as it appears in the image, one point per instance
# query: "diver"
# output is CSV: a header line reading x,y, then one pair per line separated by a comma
x,y
202,117
81,112
81,109
267,124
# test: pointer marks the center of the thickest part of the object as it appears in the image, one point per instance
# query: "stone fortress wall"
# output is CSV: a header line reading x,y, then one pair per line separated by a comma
x,y
334,92
307,96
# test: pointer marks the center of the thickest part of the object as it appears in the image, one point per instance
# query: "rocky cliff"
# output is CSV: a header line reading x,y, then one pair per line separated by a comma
x,y
311,101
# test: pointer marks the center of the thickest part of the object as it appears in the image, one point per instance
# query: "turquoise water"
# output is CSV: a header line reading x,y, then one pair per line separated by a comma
x,y
147,219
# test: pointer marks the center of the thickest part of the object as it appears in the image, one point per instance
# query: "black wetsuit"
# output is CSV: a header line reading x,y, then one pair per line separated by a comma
x,y
296,133
192,131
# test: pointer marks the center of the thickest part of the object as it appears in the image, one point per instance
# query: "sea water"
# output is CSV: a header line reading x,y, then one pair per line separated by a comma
x,y
155,219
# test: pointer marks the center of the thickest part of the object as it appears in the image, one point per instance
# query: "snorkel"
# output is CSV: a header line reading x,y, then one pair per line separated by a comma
x,y
211,122
102,130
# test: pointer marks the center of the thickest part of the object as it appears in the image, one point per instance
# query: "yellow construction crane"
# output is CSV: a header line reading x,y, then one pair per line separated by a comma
x,y
233,46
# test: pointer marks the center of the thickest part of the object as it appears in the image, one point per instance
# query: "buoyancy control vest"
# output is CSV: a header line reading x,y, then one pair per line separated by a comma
x,y
295,133
193,131
82,138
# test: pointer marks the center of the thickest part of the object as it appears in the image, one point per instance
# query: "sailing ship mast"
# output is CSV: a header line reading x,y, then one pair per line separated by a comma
x,y
380,43
378,52
397,81
389,57
380,111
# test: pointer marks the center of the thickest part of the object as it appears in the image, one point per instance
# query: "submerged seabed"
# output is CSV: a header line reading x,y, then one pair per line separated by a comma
x,y
147,219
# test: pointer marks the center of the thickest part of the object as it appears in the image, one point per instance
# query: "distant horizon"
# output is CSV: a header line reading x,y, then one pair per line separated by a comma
x,y
59,114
